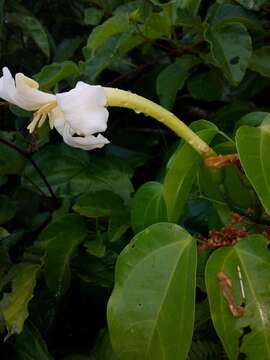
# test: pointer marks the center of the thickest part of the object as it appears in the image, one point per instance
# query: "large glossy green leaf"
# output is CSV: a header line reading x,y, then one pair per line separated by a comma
x,y
253,148
148,206
172,79
260,61
31,346
73,172
248,334
151,310
231,48
181,174
60,239
14,304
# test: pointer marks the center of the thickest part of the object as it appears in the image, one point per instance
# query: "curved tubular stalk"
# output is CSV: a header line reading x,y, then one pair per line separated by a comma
x,y
126,99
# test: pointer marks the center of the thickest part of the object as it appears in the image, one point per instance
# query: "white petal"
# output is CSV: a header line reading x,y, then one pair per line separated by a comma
x,y
89,142
24,92
56,119
7,86
83,108
28,96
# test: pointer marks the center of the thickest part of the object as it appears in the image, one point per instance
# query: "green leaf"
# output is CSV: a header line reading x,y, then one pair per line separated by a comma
x,y
253,258
100,204
236,190
52,74
14,305
73,172
96,247
31,346
201,350
231,49
172,79
104,204
32,27
3,233
151,309
93,16
228,115
209,186
253,149
7,209
181,174
191,6
252,4
155,26
103,348
11,162
260,61
254,118
209,86
227,14
116,24
93,271
148,206
66,49
109,53
60,239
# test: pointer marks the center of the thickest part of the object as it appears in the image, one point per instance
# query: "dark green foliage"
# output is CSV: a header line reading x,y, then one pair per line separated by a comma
x,y
104,255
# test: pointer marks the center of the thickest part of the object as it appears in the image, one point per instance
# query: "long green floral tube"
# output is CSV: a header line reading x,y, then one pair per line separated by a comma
x,y
126,99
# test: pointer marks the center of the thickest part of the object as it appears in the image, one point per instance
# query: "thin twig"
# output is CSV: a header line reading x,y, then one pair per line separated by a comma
x,y
38,170
127,74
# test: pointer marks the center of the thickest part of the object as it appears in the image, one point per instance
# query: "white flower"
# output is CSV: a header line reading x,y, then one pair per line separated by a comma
x,y
77,114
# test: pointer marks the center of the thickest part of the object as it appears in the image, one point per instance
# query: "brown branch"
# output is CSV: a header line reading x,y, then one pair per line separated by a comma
x,y
127,74
37,168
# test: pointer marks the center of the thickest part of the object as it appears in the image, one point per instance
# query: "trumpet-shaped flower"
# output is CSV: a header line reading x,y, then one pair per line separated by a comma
x,y
77,114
